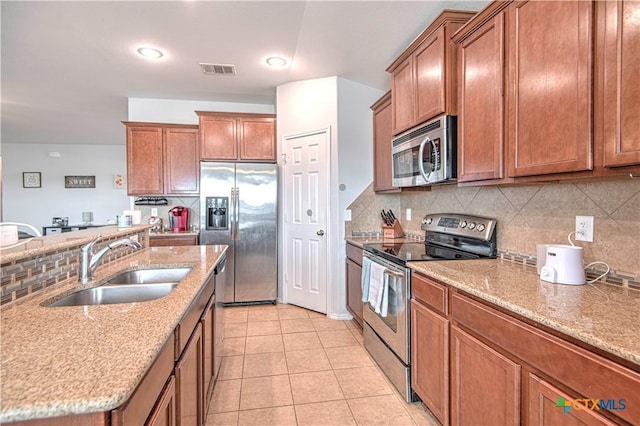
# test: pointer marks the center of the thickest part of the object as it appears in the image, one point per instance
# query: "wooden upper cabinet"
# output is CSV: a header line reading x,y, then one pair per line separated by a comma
x,y
550,97
429,67
237,137
144,160
621,83
218,138
382,177
162,159
481,103
257,139
181,158
423,80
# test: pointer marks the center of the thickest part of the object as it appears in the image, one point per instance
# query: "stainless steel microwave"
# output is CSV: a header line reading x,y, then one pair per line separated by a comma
x,y
426,154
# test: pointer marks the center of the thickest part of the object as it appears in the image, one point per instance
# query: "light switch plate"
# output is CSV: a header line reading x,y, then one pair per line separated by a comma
x,y
347,215
408,214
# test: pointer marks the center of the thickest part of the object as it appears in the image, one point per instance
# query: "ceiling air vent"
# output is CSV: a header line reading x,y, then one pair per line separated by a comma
x,y
218,69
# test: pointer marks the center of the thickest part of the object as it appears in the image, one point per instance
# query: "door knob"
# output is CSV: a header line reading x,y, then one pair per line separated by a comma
x,y
320,232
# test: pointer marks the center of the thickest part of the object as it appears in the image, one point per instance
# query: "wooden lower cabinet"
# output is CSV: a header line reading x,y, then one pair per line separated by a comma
x,y
430,359
190,240
485,385
208,351
189,382
353,276
544,410
164,414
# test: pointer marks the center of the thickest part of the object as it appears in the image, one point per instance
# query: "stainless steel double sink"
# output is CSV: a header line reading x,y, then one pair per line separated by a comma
x,y
129,286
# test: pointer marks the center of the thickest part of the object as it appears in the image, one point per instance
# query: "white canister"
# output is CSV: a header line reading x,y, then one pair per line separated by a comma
x,y
8,235
563,264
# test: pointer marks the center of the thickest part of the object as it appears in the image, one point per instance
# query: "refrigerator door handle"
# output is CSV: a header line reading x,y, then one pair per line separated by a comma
x,y
232,213
237,214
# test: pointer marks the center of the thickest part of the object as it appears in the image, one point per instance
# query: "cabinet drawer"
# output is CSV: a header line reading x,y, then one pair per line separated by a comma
x,y
354,253
430,293
588,374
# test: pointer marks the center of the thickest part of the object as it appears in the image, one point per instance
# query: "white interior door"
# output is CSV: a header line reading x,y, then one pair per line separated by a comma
x,y
305,219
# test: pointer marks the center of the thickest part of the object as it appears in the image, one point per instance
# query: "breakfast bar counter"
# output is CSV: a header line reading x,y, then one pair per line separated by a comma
x,y
88,359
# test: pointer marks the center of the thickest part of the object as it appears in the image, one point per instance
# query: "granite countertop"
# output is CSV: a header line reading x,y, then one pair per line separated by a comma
x,y
35,246
168,234
602,315
85,359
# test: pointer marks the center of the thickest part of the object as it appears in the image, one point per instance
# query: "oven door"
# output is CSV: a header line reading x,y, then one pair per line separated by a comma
x,y
394,328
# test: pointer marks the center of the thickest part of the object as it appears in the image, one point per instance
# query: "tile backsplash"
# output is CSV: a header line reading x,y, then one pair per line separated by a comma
x,y
193,203
527,215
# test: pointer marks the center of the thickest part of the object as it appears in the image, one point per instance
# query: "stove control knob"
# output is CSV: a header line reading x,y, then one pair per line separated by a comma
x,y
427,221
480,227
463,224
472,226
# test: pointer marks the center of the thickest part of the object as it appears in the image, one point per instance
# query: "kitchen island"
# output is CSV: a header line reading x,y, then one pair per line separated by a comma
x,y
90,359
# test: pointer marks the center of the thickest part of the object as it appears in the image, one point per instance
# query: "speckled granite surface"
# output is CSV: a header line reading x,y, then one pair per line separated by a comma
x,y
36,246
168,234
604,316
361,241
72,360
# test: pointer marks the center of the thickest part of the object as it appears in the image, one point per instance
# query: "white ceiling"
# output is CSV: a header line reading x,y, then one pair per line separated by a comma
x,y
69,67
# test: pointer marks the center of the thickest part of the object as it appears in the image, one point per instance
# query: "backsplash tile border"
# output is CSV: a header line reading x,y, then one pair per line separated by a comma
x,y
23,277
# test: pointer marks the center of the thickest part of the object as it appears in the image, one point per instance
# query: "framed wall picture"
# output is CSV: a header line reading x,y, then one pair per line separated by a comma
x,y
79,181
31,180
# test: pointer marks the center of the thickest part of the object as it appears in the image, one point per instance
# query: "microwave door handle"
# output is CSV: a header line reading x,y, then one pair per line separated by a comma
x,y
420,155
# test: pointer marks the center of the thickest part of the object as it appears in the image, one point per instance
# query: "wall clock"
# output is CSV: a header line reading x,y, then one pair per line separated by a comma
x,y
31,180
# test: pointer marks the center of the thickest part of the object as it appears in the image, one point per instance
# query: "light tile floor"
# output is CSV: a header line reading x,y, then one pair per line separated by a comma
x,y
284,365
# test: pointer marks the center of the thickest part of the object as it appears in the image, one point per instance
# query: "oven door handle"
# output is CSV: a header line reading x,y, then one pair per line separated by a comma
x,y
393,274
421,154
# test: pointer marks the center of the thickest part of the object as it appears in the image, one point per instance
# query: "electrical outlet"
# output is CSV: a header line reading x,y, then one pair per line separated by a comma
x,y
408,214
584,228
347,215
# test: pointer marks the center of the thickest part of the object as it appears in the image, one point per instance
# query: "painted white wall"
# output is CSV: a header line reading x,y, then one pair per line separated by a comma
x,y
183,111
37,206
343,106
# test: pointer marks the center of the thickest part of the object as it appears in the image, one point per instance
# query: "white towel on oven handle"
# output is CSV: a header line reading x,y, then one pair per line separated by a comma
x,y
376,285
365,278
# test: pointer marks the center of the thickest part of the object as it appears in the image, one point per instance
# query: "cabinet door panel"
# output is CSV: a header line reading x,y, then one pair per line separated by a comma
x,y
485,385
189,382
218,138
257,139
382,135
622,83
402,97
543,409
429,72
481,123
144,161
354,290
430,359
182,159
164,414
550,97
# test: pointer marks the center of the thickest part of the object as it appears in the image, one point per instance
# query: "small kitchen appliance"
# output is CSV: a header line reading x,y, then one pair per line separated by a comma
x,y
563,264
179,218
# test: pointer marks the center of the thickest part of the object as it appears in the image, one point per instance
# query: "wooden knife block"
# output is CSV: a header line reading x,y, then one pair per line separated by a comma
x,y
391,232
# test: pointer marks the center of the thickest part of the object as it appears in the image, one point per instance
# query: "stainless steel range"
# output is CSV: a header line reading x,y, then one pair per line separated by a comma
x,y
447,237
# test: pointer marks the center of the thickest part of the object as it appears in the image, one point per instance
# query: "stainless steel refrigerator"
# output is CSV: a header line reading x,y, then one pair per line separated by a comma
x,y
238,207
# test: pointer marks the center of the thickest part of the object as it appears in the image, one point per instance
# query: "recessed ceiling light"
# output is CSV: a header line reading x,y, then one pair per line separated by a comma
x,y
150,52
276,61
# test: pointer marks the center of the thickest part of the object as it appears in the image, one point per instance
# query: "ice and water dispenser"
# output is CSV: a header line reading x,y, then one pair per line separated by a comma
x,y
217,210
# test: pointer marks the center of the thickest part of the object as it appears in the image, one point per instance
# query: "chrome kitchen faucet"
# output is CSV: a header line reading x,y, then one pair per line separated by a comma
x,y
89,261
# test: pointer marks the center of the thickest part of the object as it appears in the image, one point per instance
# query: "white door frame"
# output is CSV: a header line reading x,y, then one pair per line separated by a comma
x,y
326,131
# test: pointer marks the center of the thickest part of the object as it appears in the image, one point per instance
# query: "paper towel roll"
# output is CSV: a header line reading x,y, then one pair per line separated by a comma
x,y
136,216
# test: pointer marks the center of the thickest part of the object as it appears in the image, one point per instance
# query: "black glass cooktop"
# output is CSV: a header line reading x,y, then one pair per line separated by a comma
x,y
401,253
